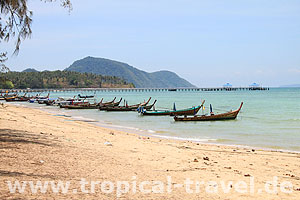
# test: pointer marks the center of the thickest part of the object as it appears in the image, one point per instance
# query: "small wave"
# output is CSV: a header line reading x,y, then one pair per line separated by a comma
x,y
182,138
62,115
124,127
161,131
83,119
224,140
151,131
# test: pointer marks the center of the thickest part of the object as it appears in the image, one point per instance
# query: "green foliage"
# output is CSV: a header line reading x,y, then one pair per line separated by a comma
x,y
15,22
138,77
5,84
61,79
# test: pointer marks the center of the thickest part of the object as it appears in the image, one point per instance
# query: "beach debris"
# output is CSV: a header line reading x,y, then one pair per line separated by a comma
x,y
41,161
253,150
108,143
247,175
227,167
112,133
196,160
206,158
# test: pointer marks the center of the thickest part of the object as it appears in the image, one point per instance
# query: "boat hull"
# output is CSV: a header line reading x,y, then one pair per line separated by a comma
x,y
81,107
224,116
189,111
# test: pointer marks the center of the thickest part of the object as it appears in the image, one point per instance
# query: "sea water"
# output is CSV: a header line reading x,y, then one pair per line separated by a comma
x,y
268,119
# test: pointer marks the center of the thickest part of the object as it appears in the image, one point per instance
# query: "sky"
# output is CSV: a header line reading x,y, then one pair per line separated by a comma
x,y
207,42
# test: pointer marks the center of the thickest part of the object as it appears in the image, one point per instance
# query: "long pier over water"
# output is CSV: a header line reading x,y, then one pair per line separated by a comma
x,y
135,89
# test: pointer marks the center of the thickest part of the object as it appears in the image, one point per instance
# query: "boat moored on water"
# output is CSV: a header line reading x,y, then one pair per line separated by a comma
x,y
174,112
17,98
126,107
83,106
212,117
112,103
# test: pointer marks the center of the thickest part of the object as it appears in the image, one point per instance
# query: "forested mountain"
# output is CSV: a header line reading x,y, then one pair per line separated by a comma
x,y
30,70
139,78
60,79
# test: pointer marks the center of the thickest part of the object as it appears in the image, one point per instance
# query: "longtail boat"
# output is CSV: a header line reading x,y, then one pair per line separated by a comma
x,y
38,98
6,95
125,108
147,107
86,97
109,104
50,102
66,103
17,98
83,106
188,111
212,117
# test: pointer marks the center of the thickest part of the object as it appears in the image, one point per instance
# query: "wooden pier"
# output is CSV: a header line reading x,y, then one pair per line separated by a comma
x,y
133,89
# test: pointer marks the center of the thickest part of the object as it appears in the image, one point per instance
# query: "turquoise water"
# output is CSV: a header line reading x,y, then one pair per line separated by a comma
x,y
268,119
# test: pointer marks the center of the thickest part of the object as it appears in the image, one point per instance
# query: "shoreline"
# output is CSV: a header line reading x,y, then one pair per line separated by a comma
x,y
146,133
36,145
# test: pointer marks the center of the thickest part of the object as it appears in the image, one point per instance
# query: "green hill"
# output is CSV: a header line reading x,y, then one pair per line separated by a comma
x,y
60,79
139,78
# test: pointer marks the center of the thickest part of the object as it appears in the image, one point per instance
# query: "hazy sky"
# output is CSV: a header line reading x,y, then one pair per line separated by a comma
x,y
207,42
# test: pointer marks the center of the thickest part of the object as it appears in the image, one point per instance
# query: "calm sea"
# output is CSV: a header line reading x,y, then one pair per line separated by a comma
x,y
268,119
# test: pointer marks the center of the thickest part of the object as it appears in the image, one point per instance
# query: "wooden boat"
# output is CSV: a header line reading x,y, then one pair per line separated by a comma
x,y
147,107
86,97
6,95
49,102
42,101
109,104
188,111
213,117
38,98
142,104
120,108
17,98
83,106
125,108
71,102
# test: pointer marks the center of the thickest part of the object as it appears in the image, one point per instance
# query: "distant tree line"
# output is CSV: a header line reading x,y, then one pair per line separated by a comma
x,y
59,79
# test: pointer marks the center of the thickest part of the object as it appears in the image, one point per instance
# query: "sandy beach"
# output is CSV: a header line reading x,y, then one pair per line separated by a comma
x,y
38,146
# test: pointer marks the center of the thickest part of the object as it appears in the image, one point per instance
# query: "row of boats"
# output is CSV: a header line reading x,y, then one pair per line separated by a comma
x,y
144,108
